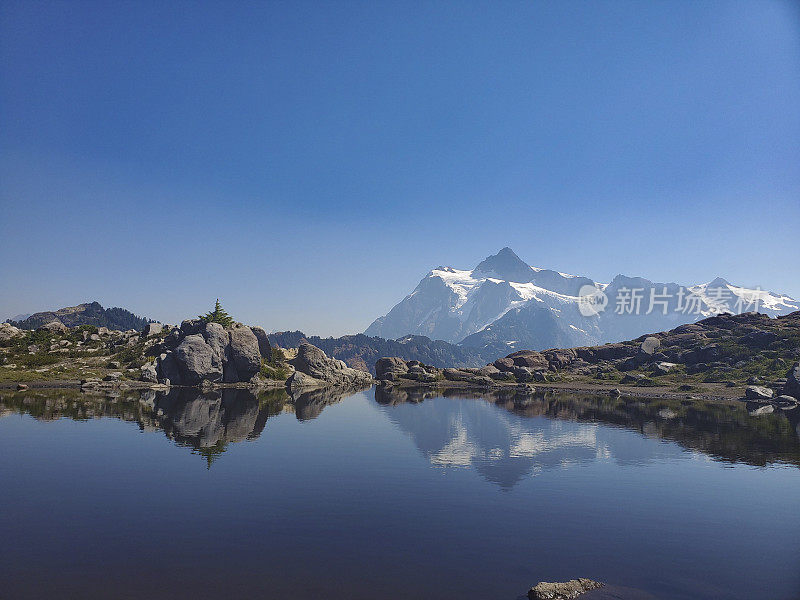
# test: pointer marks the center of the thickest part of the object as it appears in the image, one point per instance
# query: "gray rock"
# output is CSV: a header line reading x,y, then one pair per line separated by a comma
x,y
264,346
244,354
167,368
562,591
152,329
522,374
9,332
196,361
785,402
299,381
758,392
54,327
792,386
390,368
149,373
314,362
489,371
218,340
529,358
650,345
766,409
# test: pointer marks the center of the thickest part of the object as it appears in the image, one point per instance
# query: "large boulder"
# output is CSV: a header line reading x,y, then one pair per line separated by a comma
x,y
792,386
300,381
314,362
650,345
390,368
149,373
152,329
217,337
55,326
264,346
197,361
244,356
8,332
530,359
758,392
167,368
504,364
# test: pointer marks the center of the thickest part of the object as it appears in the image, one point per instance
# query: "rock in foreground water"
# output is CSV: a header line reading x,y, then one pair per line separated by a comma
x,y
562,591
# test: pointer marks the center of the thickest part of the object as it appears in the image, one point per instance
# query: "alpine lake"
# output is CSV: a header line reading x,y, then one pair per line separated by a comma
x,y
386,493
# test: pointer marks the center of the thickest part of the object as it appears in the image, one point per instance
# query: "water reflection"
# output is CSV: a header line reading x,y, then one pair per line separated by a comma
x,y
205,421
452,431
453,428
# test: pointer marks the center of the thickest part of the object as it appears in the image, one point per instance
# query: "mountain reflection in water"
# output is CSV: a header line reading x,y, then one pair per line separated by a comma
x,y
504,449
451,428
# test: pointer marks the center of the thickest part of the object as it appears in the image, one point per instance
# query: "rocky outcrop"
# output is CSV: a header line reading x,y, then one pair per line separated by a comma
x,y
54,326
200,352
8,332
263,341
722,349
314,363
562,591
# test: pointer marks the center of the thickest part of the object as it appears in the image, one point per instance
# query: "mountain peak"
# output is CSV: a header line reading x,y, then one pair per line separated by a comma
x,y
506,265
717,283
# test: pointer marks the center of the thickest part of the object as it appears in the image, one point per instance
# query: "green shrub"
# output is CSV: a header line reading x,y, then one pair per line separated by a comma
x,y
278,372
40,359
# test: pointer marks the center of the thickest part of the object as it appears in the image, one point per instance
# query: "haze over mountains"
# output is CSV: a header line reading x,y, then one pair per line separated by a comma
x,y
506,304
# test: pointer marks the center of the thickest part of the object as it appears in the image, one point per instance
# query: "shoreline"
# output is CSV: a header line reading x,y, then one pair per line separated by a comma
x,y
709,393
719,393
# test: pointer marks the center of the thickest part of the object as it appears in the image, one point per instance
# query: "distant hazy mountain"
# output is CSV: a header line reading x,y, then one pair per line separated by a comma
x,y
361,351
504,303
91,313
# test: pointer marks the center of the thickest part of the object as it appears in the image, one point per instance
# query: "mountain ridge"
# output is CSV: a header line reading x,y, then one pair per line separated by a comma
x,y
506,303
88,313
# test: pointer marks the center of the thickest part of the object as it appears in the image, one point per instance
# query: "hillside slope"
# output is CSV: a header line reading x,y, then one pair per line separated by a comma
x,y
90,313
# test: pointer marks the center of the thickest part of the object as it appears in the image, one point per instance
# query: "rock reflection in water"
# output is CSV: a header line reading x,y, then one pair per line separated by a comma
x,y
308,405
206,421
505,449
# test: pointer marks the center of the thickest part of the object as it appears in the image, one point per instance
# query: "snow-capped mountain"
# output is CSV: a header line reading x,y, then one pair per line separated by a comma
x,y
505,302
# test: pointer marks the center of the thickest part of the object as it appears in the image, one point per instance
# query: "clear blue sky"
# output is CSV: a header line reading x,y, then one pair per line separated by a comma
x,y
308,163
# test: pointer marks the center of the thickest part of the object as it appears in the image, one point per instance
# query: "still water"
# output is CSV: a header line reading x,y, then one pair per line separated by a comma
x,y
392,495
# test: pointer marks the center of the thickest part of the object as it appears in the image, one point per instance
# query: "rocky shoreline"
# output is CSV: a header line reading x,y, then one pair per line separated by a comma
x,y
748,357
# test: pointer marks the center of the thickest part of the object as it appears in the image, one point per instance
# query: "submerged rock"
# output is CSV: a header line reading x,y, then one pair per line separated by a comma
x,y
562,591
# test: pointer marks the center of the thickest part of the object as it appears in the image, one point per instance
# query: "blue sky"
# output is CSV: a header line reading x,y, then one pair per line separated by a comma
x,y
308,163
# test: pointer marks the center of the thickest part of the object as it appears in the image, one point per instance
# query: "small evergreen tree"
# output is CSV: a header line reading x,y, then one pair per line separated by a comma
x,y
218,315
